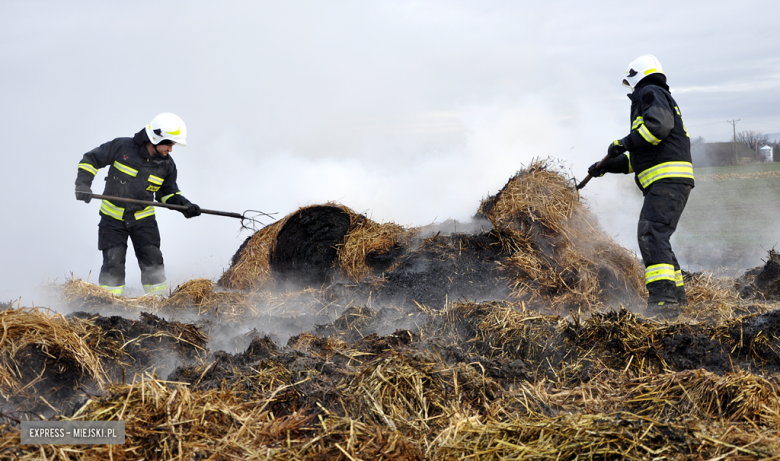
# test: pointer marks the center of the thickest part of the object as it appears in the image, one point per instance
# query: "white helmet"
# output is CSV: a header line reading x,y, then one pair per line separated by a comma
x,y
167,126
640,68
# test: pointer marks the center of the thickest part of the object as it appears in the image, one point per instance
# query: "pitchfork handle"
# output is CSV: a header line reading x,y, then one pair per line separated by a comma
x,y
589,177
165,205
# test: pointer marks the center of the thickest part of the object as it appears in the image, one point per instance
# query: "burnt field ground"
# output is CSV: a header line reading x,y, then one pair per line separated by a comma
x,y
334,337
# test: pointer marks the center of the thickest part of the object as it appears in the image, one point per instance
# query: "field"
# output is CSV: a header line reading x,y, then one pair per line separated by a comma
x,y
335,337
731,217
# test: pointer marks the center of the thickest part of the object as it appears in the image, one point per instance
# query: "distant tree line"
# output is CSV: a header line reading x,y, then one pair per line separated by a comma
x,y
746,150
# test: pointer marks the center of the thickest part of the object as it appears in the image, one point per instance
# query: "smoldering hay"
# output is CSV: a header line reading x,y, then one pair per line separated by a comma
x,y
508,342
537,243
545,246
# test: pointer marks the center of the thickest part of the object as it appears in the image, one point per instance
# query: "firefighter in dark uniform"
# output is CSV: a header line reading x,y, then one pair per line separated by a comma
x,y
139,168
658,151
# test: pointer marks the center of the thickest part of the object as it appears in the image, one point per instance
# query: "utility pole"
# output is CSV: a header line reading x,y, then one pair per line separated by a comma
x,y
734,125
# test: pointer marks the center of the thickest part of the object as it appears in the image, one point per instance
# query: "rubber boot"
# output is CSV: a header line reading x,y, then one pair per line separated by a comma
x,y
665,310
682,298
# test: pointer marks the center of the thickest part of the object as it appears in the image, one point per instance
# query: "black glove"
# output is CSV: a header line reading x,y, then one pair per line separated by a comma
x,y
615,149
191,211
83,193
595,172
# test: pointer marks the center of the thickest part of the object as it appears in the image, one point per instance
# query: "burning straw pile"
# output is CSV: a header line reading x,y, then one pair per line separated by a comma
x,y
552,367
551,251
559,256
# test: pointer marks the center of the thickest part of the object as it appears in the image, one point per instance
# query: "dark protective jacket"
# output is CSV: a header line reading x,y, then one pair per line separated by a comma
x,y
133,173
659,148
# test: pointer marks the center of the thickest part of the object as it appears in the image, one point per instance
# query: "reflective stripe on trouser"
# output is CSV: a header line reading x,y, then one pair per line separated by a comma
x,y
118,291
663,205
158,288
659,272
678,278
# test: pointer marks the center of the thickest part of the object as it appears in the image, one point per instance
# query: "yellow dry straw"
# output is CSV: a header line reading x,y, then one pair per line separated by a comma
x,y
253,269
364,237
416,395
738,396
55,336
165,421
600,436
493,328
90,297
199,295
558,252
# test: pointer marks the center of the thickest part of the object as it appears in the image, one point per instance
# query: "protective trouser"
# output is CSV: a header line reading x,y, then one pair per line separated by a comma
x,y
112,241
661,211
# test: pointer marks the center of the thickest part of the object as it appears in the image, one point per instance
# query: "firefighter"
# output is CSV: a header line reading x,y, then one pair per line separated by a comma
x,y
140,168
658,152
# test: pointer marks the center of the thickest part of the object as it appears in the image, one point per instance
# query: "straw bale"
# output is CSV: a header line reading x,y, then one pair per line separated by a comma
x,y
367,240
535,198
251,266
560,258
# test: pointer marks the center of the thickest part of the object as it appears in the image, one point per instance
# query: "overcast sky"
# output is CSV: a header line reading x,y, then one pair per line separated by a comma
x,y
409,111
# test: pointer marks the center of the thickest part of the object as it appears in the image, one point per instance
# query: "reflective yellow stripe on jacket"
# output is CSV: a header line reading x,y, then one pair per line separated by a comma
x,y
145,213
678,278
125,169
109,209
665,170
88,167
639,125
155,180
168,197
659,272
